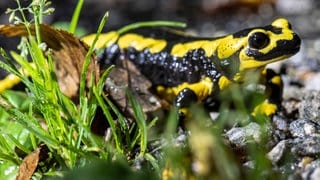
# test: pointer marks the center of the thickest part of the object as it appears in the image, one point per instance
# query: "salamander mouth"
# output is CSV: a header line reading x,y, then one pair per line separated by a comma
x,y
283,48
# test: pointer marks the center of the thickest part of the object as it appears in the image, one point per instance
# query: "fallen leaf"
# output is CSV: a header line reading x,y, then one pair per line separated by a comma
x,y
128,77
122,78
68,53
31,162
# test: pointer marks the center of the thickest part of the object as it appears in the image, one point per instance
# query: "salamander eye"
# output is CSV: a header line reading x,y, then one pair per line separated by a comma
x,y
258,40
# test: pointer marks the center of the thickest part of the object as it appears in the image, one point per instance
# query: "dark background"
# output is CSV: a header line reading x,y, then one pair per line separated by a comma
x,y
203,17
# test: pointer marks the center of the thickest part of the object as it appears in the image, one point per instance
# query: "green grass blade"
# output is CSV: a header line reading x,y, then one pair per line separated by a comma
x,y
35,129
18,144
151,24
103,78
10,158
152,123
88,58
111,121
141,122
7,59
121,119
75,17
4,146
154,162
26,66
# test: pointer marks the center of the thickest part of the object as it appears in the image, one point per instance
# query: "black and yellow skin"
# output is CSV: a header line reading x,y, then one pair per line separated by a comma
x,y
185,69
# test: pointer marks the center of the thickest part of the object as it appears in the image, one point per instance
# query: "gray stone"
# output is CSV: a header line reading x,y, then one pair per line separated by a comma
x,y
277,152
306,146
240,136
310,106
236,136
311,171
279,123
302,127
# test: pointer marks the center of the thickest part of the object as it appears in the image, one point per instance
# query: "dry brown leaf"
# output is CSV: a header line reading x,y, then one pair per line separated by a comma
x,y
122,78
30,162
68,53
28,165
127,76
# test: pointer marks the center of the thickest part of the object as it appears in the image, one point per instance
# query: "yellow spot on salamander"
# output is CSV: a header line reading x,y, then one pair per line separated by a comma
x,y
252,63
223,47
8,82
265,108
202,89
11,80
224,82
104,40
181,49
281,22
140,43
229,45
276,80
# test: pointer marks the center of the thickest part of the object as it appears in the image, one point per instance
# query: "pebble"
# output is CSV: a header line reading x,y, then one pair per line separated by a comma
x,y
291,108
313,82
311,171
306,146
280,130
237,136
240,136
310,106
279,123
302,127
277,152
249,164
315,174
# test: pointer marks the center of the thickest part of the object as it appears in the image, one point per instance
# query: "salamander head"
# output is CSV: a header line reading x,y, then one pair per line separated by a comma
x,y
257,47
268,44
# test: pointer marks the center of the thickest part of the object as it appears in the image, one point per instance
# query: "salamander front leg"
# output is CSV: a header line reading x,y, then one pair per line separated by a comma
x,y
183,100
274,89
274,86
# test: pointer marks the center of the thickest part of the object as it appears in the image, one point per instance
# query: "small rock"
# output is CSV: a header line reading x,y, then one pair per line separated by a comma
x,y
313,82
309,129
249,164
311,171
253,130
291,107
291,92
305,161
302,127
240,136
277,152
279,131
310,106
279,123
315,174
306,146
237,136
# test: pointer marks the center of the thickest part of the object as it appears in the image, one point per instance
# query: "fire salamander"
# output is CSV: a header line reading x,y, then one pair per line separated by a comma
x,y
185,69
